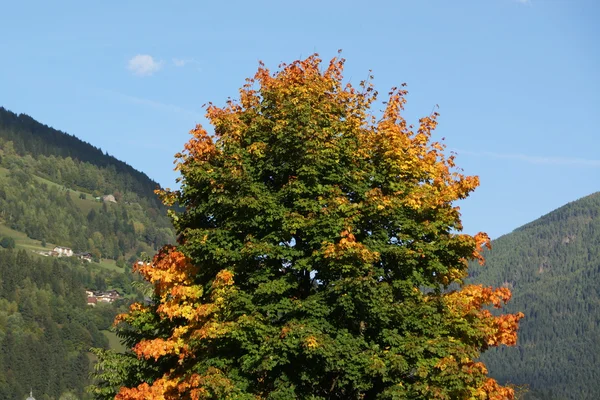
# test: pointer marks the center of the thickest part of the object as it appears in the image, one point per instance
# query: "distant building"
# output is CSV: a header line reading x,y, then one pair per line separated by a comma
x,y
30,395
109,198
84,256
63,251
109,296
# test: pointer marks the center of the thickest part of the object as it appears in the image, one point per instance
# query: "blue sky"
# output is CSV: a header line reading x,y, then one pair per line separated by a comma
x,y
516,81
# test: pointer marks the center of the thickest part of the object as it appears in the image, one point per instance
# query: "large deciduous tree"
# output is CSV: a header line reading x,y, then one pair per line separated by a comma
x,y
315,255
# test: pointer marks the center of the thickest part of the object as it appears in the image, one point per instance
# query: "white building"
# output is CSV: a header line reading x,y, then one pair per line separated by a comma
x,y
63,251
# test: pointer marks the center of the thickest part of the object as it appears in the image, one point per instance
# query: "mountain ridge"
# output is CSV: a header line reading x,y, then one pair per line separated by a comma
x,y
57,190
551,265
33,137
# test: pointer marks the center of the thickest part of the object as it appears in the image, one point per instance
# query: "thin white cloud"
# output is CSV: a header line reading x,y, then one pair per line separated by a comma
x,y
144,65
183,62
568,161
178,62
523,1
164,107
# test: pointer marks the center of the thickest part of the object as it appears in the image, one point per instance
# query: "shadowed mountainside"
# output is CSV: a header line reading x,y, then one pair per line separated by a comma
x,y
552,266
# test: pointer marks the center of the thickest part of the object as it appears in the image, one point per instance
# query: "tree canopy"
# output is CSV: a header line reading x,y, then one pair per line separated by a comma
x,y
317,245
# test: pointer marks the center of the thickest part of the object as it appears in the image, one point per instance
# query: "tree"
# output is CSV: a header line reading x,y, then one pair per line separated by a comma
x,y
7,242
316,248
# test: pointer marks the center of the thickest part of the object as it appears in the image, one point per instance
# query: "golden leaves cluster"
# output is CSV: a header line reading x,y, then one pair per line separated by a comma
x,y
348,248
212,384
426,175
172,275
471,301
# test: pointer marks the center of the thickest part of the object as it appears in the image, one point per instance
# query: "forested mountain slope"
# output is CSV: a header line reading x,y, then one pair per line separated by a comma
x,y
46,328
552,266
30,137
56,190
52,185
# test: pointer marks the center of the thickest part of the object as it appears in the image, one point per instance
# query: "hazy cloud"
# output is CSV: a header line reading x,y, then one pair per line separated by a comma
x,y
523,1
183,62
171,108
570,161
161,106
178,62
144,65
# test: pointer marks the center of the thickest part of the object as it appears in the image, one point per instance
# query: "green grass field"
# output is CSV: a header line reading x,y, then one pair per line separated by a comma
x,y
109,264
22,241
114,342
85,205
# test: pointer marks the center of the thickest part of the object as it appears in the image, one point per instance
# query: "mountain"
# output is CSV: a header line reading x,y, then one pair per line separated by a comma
x,y
62,196
46,327
58,189
30,137
552,266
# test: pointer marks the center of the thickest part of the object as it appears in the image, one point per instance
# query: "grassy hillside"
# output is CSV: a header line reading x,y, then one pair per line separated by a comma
x,y
22,241
39,202
50,183
552,266
51,188
30,137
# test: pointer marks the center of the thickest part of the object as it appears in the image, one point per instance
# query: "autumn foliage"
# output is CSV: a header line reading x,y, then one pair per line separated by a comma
x,y
317,250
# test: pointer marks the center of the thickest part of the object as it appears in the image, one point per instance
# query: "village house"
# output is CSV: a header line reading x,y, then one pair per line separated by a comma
x,y
60,251
109,198
63,251
109,296
84,256
92,301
